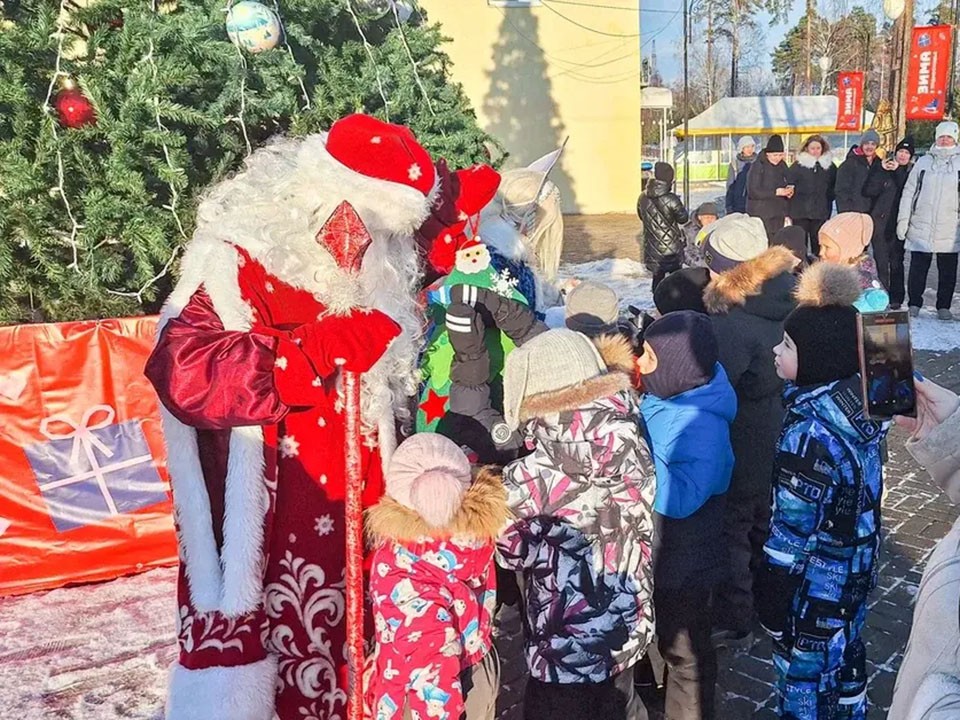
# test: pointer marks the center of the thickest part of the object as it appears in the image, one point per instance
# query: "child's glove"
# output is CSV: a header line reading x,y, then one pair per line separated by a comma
x,y
873,299
774,592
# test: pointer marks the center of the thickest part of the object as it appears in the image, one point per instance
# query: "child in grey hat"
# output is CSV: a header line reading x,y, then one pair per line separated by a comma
x,y
582,528
592,309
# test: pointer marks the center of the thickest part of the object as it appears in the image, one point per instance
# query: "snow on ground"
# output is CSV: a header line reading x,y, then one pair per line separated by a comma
x,y
632,283
92,652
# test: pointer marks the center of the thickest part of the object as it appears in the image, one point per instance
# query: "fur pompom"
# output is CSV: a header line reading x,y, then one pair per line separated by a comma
x,y
826,284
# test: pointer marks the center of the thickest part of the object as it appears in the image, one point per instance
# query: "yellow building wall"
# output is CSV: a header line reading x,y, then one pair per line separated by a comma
x,y
538,74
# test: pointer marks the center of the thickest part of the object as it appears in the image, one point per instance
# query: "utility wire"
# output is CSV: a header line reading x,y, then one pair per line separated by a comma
x,y
585,27
609,7
537,46
668,23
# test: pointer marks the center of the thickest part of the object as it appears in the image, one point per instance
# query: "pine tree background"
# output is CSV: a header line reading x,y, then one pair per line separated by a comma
x,y
132,181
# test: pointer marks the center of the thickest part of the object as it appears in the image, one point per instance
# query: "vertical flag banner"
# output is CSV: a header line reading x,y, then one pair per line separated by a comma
x,y
850,100
927,75
84,493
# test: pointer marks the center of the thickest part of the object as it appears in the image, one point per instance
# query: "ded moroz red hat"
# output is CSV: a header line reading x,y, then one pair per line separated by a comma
x,y
377,149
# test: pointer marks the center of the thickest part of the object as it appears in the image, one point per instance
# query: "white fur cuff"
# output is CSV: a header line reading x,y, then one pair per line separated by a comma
x,y
241,692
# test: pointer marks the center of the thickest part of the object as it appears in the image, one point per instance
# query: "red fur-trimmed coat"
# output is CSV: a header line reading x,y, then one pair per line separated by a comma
x,y
256,441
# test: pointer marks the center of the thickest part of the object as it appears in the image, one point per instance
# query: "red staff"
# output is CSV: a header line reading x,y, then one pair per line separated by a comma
x,y
346,238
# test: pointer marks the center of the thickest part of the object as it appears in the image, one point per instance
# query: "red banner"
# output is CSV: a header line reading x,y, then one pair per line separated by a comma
x,y
927,75
84,494
849,100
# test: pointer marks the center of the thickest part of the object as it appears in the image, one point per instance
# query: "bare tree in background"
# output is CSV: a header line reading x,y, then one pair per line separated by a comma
x,y
735,17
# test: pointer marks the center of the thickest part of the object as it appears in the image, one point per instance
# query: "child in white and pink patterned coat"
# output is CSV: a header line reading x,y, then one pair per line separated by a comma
x,y
433,585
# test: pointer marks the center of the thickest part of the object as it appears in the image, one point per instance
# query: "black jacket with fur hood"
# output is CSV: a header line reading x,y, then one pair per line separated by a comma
x,y
814,180
748,305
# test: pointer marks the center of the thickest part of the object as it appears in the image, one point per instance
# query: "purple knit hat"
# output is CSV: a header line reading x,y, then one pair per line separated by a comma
x,y
429,474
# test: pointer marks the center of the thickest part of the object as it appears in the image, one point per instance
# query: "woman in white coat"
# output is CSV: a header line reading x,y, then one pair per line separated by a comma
x,y
928,220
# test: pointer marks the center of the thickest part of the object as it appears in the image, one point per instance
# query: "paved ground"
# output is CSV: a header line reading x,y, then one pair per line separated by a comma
x,y
915,515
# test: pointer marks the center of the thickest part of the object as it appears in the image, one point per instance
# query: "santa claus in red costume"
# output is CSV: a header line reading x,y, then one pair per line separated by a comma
x,y
266,313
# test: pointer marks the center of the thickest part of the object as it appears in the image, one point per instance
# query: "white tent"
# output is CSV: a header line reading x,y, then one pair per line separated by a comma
x,y
804,114
713,133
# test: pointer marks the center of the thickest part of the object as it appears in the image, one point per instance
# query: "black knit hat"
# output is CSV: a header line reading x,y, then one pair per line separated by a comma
x,y
686,350
824,324
682,290
906,144
664,172
774,144
794,238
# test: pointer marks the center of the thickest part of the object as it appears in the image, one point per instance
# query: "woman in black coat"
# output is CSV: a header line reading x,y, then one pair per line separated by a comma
x,y
662,214
885,185
768,187
813,176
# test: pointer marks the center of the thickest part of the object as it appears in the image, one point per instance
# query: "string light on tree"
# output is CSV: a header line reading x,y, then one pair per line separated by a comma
x,y
74,109
253,26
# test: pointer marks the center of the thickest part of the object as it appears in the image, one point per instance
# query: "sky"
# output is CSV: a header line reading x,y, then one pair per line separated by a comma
x,y
661,21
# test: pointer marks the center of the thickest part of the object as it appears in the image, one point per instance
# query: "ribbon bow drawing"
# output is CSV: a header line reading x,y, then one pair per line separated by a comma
x,y
81,433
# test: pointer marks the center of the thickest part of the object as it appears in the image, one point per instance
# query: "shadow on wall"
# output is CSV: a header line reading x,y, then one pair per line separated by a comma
x,y
519,106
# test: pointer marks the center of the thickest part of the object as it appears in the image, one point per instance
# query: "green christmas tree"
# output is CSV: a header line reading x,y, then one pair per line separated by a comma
x,y
94,209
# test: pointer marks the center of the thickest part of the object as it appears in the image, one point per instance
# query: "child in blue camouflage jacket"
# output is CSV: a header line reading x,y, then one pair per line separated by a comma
x,y
820,557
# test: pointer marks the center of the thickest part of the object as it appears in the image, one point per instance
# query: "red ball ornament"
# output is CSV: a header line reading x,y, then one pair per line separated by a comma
x,y
74,109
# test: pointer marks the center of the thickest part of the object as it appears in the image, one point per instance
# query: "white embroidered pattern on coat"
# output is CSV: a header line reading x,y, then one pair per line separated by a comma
x,y
217,632
289,446
305,659
323,525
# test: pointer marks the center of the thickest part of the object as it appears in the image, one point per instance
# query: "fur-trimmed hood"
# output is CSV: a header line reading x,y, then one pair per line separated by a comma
x,y
825,283
808,161
574,397
481,516
735,286
616,353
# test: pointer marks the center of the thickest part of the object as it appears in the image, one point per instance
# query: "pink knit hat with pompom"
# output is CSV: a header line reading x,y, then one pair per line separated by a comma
x,y
429,474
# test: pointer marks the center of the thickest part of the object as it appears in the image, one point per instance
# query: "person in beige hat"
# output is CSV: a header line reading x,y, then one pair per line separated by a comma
x,y
592,308
731,240
844,239
582,528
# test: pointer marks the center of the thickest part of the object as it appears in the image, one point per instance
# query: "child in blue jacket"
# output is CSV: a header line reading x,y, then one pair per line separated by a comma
x,y
687,409
820,560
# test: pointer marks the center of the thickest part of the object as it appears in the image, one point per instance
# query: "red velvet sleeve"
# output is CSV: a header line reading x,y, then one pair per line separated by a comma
x,y
211,378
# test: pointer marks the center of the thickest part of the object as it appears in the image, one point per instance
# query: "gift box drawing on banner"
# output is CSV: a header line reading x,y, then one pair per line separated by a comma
x,y
93,469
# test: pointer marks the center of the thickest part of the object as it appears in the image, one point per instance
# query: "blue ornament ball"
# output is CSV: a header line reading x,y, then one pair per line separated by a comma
x,y
253,26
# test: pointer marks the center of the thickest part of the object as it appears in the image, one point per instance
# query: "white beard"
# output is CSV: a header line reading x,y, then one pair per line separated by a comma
x,y
390,280
274,209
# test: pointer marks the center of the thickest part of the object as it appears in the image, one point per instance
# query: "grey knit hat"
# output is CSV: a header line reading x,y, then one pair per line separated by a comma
x,y
592,309
733,239
871,136
555,360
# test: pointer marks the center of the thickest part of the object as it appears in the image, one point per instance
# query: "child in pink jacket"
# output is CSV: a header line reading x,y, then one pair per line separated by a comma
x,y
433,584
